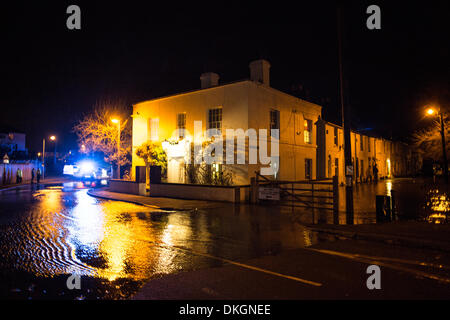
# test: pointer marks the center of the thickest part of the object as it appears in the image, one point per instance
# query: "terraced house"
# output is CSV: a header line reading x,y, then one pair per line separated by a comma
x,y
392,159
309,147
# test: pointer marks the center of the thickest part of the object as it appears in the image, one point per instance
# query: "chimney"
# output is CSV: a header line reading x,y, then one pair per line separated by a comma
x,y
260,71
209,79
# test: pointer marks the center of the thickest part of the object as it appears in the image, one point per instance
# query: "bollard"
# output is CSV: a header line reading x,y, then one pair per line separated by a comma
x,y
394,213
383,209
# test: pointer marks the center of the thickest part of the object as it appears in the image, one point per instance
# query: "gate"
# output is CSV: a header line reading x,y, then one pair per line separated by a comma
x,y
320,194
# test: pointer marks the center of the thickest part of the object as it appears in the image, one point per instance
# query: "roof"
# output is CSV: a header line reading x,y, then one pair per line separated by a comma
x,y
228,84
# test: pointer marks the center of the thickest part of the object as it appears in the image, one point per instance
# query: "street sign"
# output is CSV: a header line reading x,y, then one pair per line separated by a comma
x,y
349,170
267,193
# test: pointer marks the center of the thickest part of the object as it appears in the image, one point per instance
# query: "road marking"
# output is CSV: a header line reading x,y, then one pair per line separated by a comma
x,y
374,260
413,262
242,265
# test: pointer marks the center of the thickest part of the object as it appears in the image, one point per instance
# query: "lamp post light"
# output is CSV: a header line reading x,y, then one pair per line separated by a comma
x,y
430,112
53,138
117,121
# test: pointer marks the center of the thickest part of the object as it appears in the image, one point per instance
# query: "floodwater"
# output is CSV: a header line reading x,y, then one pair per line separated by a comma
x,y
415,198
49,234
115,247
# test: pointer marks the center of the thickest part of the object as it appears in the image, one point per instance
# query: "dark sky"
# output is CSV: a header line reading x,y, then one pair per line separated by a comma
x,y
138,50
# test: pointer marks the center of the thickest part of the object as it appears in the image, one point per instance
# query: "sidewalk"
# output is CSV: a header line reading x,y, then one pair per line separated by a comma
x,y
45,182
162,203
404,233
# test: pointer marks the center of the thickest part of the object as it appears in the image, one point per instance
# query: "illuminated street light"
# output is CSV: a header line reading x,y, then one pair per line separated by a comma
x,y
432,111
53,138
117,121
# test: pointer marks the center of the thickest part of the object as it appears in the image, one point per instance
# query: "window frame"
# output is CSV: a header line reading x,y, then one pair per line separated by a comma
x,y
307,138
215,118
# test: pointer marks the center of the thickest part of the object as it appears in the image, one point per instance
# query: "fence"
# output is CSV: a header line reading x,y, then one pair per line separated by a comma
x,y
312,194
8,171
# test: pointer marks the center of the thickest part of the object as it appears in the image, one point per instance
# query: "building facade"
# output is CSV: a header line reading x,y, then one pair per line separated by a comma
x,y
391,159
12,141
309,147
244,105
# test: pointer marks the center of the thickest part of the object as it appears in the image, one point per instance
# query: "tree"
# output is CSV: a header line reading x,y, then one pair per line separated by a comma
x,y
97,133
429,139
153,155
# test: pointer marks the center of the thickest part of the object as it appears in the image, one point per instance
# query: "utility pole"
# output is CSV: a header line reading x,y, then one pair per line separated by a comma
x,y
118,152
444,151
345,111
43,159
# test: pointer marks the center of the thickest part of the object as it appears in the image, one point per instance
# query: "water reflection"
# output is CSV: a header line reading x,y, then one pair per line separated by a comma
x,y
59,231
437,205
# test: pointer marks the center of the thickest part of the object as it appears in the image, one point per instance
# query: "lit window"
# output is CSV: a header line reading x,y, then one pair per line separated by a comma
x,y
181,124
274,120
336,137
308,131
215,119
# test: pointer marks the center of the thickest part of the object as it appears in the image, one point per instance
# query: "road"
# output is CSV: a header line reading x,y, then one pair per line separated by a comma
x,y
122,250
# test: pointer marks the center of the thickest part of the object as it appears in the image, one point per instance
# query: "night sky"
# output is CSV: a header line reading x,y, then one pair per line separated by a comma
x,y
138,50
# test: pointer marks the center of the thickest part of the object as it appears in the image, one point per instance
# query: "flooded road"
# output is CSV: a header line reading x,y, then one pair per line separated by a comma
x,y
47,235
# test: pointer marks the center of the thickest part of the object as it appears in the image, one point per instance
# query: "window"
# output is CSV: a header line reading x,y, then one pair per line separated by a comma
x,y
336,167
368,144
357,168
153,126
308,168
361,142
336,136
274,119
308,131
362,168
215,119
181,124
329,166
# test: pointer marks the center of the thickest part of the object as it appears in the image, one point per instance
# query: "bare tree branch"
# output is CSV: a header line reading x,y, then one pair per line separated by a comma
x,y
97,133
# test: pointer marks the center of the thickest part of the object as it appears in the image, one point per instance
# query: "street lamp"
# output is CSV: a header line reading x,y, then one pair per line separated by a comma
x,y
432,111
53,138
117,121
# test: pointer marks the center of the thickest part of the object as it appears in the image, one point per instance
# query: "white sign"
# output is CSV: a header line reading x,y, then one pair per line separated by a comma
x,y
349,170
266,193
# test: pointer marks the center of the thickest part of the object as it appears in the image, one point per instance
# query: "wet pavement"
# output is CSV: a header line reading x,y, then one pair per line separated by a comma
x,y
416,199
48,234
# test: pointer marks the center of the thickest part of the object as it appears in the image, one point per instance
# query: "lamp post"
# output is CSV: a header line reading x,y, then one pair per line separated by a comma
x,y
117,121
43,159
432,111
53,138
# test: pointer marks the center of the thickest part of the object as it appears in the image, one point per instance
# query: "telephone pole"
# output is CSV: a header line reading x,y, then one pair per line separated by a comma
x,y
345,112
